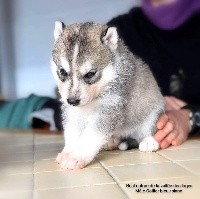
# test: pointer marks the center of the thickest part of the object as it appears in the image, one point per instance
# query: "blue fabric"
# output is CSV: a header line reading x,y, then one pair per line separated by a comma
x,y
15,114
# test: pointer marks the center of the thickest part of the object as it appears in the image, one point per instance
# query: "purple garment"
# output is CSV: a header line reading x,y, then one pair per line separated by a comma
x,y
170,16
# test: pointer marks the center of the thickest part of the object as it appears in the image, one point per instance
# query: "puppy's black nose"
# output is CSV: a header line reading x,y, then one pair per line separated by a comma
x,y
73,102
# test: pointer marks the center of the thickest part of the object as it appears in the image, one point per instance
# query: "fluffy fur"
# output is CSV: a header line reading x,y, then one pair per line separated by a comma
x,y
108,93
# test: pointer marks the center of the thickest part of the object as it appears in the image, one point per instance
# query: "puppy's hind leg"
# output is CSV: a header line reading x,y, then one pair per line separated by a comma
x,y
148,143
112,143
128,143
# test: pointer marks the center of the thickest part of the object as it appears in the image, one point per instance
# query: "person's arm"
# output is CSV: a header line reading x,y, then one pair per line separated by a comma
x,y
175,125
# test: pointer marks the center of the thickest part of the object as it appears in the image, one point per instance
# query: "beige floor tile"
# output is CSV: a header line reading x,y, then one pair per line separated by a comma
x,y
49,147
16,157
16,168
190,192
107,191
10,133
105,152
46,165
148,171
19,143
42,139
51,165
16,138
43,155
188,144
130,158
181,154
17,195
4,149
16,183
60,179
192,165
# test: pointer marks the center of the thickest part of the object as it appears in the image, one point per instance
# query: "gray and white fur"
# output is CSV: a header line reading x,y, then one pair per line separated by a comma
x,y
108,93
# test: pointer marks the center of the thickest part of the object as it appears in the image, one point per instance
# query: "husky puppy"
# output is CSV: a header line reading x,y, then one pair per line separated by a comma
x,y
108,94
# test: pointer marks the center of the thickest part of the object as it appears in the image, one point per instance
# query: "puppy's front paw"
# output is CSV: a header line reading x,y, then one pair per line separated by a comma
x,y
69,161
149,144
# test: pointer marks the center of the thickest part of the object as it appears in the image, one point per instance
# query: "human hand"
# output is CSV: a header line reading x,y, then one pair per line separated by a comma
x,y
173,126
173,103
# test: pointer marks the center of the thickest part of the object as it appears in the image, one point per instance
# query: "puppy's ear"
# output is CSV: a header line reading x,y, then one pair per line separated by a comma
x,y
110,37
59,26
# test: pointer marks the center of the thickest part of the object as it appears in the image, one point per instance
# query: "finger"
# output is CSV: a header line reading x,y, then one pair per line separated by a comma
x,y
162,121
170,105
167,141
161,134
178,102
178,140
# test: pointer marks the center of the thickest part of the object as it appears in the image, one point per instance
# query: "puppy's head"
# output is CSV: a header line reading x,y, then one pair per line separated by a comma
x,y
83,59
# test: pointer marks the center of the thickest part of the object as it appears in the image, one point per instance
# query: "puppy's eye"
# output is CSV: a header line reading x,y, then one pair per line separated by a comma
x,y
63,72
90,75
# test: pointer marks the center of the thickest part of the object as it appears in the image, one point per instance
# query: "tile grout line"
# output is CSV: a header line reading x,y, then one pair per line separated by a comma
x,y
135,164
114,178
164,156
171,160
188,160
77,186
185,168
15,161
61,170
176,162
182,148
150,179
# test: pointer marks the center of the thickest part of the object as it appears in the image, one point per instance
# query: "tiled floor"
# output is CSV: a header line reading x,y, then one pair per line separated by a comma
x,y
28,170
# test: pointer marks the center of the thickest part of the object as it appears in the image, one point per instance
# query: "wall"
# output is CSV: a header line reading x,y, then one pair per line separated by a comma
x,y
32,36
7,60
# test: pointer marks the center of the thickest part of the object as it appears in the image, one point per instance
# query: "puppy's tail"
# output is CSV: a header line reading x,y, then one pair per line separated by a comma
x,y
128,143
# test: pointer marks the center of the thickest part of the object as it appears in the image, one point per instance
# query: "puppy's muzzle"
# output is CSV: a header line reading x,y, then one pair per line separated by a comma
x,y
73,102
